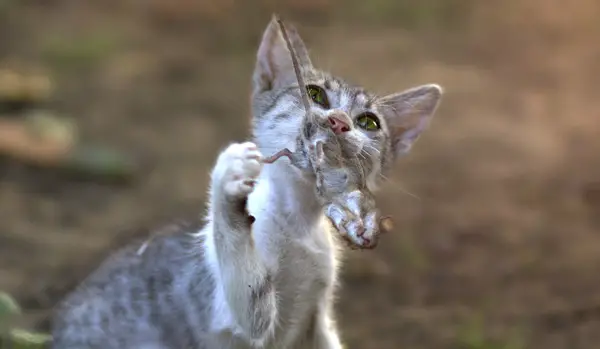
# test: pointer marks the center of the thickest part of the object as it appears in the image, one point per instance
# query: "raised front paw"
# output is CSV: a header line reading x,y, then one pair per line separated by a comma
x,y
238,169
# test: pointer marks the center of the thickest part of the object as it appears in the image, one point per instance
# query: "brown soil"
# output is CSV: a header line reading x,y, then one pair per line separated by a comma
x,y
500,248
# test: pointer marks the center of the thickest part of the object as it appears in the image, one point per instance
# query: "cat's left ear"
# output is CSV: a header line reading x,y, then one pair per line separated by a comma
x,y
408,114
274,68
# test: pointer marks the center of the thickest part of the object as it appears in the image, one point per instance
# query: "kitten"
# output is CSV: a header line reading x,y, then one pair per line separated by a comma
x,y
262,271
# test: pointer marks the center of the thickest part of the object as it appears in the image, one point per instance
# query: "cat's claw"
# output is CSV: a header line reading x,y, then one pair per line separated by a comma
x,y
240,165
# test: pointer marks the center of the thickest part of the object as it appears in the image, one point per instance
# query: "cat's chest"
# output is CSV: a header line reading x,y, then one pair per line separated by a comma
x,y
307,269
309,261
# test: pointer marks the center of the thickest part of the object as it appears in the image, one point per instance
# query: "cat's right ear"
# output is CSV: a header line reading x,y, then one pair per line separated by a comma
x,y
273,62
409,113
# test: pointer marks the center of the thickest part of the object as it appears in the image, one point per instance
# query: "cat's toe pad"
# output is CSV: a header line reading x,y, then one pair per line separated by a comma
x,y
241,164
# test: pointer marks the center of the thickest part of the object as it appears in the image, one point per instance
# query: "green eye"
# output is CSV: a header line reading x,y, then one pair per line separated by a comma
x,y
368,121
318,95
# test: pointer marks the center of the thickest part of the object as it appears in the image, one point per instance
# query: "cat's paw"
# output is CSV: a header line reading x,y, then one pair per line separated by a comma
x,y
239,167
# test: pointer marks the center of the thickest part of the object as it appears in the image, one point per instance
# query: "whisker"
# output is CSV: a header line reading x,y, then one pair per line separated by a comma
x,y
372,148
398,187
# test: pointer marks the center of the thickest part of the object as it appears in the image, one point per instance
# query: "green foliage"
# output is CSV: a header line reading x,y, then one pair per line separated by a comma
x,y
412,253
8,307
84,51
5,6
16,338
102,163
473,335
22,339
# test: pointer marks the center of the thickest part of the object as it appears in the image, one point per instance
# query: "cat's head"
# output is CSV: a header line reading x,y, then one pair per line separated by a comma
x,y
381,128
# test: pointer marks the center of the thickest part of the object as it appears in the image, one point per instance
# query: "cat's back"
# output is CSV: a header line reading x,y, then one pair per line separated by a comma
x,y
146,292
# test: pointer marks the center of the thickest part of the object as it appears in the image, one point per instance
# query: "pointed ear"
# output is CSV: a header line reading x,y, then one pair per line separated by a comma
x,y
273,64
408,114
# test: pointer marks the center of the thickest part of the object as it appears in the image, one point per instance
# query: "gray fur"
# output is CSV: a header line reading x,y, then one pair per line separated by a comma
x,y
141,300
262,271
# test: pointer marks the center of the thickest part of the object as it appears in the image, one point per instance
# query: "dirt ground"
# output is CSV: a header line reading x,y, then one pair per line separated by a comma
x,y
497,210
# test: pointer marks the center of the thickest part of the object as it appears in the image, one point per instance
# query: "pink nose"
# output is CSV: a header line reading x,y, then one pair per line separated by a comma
x,y
338,125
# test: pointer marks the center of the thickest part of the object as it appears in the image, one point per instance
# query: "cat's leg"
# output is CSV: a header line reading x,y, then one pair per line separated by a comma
x,y
325,332
327,337
246,282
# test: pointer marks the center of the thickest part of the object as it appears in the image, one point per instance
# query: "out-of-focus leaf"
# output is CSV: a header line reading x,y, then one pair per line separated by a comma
x,y
22,339
48,126
16,87
100,161
8,306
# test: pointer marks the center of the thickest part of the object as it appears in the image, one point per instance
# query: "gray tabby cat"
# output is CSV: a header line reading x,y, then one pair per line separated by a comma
x,y
261,272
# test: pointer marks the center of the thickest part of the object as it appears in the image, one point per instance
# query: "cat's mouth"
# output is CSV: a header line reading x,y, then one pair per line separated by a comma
x,y
336,137
334,147
340,182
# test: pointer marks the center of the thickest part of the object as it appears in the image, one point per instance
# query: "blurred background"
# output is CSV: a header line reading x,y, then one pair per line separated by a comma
x,y
112,113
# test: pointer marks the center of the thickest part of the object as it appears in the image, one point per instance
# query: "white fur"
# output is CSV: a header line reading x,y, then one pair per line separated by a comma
x,y
290,243
297,248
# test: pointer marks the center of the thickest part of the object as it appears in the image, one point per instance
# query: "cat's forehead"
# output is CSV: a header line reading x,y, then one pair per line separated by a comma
x,y
332,82
338,85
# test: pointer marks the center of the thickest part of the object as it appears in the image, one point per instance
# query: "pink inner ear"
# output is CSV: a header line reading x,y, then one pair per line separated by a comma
x,y
399,131
271,51
407,130
266,56
404,136
409,123
266,66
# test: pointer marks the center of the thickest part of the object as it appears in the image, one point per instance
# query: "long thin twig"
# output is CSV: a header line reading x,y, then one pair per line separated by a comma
x,y
305,102
295,64
316,157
